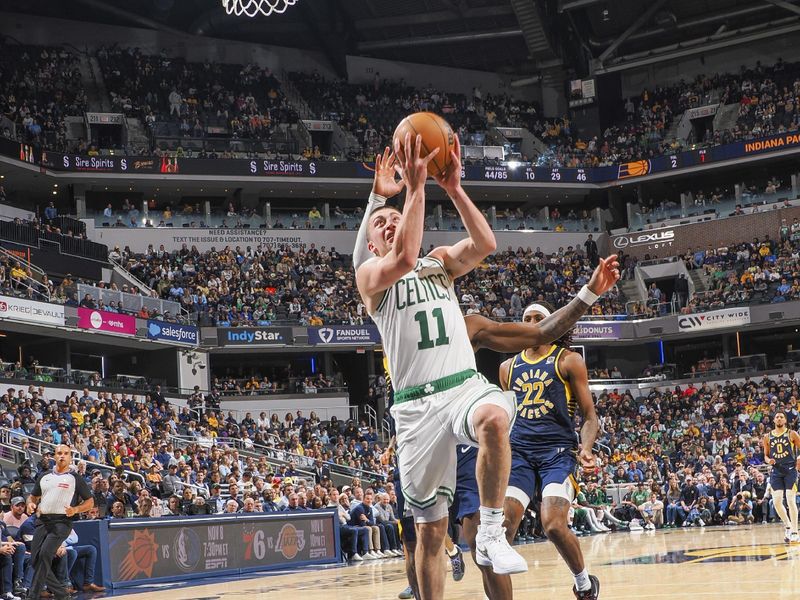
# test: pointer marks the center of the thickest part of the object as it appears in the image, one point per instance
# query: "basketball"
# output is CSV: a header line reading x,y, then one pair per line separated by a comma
x,y
435,132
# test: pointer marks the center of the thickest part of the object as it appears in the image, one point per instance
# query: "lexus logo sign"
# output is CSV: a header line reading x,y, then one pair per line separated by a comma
x,y
655,239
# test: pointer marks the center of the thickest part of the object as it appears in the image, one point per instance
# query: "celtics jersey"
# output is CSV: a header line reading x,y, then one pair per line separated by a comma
x,y
422,328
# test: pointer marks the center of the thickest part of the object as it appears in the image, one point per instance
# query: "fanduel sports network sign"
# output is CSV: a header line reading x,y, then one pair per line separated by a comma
x,y
171,332
344,334
716,319
101,320
254,336
19,309
588,330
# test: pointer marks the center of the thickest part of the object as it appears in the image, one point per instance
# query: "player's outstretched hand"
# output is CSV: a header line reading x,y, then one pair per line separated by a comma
x,y
385,182
605,275
413,167
451,180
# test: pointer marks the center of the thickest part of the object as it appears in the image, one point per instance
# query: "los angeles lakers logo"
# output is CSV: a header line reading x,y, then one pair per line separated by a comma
x,y
290,541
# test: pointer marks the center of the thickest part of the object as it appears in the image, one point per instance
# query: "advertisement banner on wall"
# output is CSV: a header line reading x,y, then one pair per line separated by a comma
x,y
30,311
101,320
216,546
715,319
352,169
344,334
172,332
601,330
254,336
645,240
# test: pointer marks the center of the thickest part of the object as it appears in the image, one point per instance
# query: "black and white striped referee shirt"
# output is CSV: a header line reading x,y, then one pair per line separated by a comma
x,y
59,490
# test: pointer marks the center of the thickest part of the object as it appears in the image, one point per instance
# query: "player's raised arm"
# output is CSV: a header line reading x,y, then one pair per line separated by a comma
x,y
467,254
396,238
385,185
515,337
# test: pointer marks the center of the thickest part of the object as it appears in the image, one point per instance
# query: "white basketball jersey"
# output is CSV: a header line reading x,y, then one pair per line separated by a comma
x,y
422,328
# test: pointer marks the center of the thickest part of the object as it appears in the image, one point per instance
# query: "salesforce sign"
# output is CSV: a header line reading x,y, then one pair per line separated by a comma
x,y
172,332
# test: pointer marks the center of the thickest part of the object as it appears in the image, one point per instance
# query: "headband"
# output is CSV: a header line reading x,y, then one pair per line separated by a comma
x,y
536,308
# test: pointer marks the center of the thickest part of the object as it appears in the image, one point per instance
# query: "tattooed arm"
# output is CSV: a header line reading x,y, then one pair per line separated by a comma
x,y
515,337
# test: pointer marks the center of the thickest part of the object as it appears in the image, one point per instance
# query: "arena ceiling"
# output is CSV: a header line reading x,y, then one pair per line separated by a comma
x,y
521,38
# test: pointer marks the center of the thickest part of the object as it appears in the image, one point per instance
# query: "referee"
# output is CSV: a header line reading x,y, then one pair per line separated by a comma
x,y
55,492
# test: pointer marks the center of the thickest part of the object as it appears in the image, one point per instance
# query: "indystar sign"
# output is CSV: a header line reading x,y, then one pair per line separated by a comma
x,y
254,336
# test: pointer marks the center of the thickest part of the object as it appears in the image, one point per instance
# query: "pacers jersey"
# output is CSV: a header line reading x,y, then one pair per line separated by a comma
x,y
545,404
423,331
782,450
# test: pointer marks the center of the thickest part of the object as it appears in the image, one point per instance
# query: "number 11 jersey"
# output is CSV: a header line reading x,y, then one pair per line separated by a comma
x,y
422,328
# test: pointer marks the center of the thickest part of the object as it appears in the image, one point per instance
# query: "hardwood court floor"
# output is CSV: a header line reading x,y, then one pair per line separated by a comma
x,y
735,562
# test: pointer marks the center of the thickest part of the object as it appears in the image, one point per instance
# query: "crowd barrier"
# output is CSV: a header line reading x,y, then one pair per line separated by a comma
x,y
144,551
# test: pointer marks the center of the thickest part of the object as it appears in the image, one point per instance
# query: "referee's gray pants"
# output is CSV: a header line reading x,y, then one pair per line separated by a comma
x,y
50,533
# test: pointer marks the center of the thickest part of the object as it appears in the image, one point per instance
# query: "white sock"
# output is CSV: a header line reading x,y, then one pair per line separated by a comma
x,y
491,516
582,581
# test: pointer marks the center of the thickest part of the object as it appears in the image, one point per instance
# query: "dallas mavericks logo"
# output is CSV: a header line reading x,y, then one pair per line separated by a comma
x,y
154,329
326,335
187,550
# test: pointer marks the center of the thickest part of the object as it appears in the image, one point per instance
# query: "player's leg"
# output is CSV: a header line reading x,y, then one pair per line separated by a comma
x,y
409,536
428,555
451,549
776,480
496,587
491,424
791,492
427,461
485,417
558,492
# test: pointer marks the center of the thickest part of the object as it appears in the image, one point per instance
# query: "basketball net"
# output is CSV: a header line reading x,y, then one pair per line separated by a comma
x,y
253,7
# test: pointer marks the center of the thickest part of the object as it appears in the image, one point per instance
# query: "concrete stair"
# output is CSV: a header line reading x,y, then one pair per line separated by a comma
x,y
700,279
630,290
138,136
726,117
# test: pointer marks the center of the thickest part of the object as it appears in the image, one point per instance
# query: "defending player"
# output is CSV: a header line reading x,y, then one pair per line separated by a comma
x,y
781,447
550,383
514,337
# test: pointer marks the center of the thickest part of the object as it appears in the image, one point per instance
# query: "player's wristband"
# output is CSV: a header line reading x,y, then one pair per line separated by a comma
x,y
587,296
376,198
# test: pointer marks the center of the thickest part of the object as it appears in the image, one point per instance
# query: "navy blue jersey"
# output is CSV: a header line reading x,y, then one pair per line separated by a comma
x,y
782,450
545,403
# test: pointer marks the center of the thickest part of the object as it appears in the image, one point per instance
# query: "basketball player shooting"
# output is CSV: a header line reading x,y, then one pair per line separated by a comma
x,y
440,400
